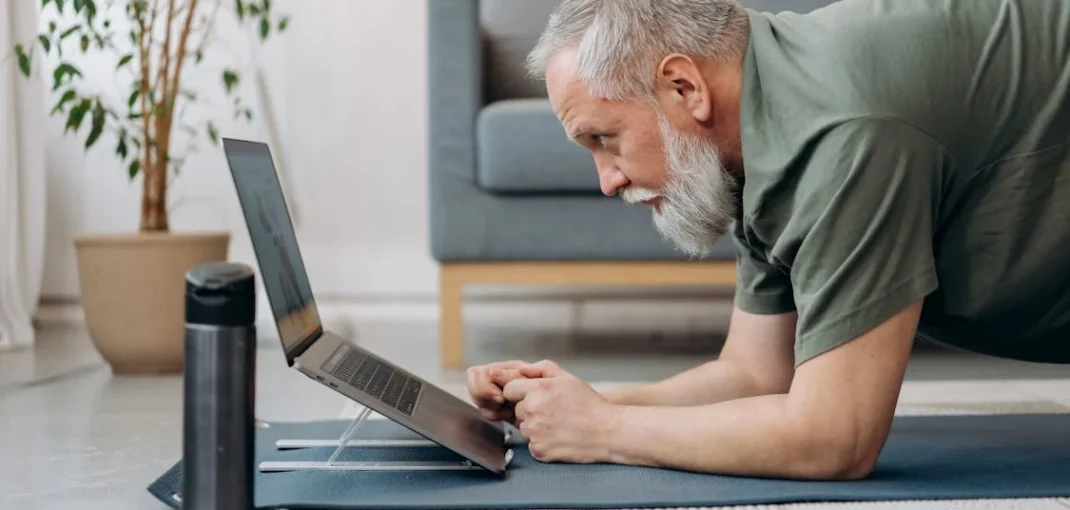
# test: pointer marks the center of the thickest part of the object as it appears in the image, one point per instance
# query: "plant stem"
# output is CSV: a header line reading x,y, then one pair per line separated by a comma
x,y
150,217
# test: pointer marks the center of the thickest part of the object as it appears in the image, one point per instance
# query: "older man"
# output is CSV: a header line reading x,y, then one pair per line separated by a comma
x,y
887,169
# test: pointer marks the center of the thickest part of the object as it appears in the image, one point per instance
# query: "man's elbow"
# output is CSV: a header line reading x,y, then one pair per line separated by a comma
x,y
852,466
842,458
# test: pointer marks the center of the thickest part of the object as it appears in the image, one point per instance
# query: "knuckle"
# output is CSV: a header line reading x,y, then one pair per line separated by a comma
x,y
538,452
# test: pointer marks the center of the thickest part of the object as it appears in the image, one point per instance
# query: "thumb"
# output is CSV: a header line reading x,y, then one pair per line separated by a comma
x,y
545,368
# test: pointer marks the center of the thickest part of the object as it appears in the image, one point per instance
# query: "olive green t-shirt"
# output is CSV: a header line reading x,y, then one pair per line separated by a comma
x,y
904,149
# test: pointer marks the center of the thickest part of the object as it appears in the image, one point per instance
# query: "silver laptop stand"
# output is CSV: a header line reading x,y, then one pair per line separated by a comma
x,y
347,441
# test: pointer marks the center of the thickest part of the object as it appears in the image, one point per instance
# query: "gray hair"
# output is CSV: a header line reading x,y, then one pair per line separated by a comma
x,y
619,43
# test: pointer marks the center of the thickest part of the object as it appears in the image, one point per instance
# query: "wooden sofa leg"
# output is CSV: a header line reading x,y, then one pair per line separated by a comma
x,y
451,328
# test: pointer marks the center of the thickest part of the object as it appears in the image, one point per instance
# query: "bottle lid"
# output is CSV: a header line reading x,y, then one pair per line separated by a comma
x,y
221,294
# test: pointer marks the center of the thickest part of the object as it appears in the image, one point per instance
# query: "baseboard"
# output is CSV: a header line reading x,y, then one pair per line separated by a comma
x,y
668,314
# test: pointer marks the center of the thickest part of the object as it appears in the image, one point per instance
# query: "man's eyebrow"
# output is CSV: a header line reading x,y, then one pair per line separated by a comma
x,y
578,133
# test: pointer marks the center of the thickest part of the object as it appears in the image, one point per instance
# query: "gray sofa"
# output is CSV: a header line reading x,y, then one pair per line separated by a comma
x,y
508,192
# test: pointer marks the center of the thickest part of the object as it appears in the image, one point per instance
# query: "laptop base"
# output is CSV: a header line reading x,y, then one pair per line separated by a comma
x,y
347,441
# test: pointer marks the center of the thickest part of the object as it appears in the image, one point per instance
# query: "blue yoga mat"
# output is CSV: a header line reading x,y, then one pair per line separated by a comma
x,y
931,457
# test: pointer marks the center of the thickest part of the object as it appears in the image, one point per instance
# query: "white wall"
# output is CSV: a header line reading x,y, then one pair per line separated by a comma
x,y
348,81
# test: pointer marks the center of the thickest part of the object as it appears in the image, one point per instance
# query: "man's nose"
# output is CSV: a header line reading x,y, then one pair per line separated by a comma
x,y
611,179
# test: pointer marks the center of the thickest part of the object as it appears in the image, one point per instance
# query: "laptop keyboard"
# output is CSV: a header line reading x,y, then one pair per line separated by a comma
x,y
375,378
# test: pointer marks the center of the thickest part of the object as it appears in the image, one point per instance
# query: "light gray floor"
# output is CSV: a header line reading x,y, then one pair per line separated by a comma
x,y
72,435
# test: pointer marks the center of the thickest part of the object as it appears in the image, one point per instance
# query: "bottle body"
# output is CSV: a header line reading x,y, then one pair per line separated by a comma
x,y
219,400
218,435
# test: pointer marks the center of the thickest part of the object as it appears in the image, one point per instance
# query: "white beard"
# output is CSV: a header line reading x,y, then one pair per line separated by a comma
x,y
699,203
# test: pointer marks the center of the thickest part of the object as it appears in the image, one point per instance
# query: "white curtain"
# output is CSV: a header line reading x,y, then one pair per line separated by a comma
x,y
22,178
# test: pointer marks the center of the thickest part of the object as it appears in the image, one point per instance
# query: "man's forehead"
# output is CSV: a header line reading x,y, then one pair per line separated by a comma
x,y
569,97
562,84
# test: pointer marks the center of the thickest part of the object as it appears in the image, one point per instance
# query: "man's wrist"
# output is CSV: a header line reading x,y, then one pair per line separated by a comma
x,y
613,439
627,396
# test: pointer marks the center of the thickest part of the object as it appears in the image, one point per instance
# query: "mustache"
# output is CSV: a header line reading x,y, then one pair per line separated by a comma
x,y
636,195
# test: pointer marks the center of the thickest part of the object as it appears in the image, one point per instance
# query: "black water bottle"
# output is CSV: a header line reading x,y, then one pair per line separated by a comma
x,y
219,402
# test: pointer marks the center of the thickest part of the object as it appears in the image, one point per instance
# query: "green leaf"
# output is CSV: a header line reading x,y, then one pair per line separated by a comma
x,y
239,7
134,167
213,134
51,24
45,43
96,125
254,10
59,5
230,79
199,56
90,10
85,44
24,60
78,5
121,149
77,115
62,70
265,28
44,3
107,23
67,33
284,23
68,96
125,60
133,97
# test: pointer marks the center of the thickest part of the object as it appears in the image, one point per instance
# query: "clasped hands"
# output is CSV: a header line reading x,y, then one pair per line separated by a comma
x,y
563,418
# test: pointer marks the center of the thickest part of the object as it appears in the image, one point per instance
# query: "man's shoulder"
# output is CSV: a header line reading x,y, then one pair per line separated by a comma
x,y
932,64
855,155
807,76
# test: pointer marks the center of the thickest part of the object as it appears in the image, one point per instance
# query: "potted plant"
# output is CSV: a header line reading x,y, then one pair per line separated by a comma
x,y
132,285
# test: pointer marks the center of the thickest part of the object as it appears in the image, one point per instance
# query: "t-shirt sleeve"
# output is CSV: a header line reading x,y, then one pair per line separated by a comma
x,y
761,287
864,231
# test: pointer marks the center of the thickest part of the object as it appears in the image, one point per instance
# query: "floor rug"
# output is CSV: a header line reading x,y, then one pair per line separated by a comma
x,y
926,457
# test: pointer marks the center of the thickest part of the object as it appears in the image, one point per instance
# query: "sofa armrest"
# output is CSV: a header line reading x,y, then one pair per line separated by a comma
x,y
455,94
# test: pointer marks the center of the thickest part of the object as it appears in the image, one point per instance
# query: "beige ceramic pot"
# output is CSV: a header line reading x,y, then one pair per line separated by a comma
x,y
133,290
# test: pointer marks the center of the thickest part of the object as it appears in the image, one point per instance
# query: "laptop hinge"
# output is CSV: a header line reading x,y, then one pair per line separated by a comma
x,y
305,343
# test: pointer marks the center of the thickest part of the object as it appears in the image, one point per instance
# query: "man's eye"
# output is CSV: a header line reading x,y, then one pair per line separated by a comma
x,y
600,140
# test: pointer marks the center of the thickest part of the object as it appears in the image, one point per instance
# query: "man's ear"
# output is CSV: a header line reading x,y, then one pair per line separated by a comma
x,y
682,87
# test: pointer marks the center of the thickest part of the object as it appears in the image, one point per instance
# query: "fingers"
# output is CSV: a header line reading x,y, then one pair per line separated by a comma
x,y
484,392
505,414
544,368
521,412
518,389
489,384
503,376
485,382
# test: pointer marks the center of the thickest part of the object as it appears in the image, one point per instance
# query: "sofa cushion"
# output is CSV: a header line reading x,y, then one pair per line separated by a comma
x,y
523,148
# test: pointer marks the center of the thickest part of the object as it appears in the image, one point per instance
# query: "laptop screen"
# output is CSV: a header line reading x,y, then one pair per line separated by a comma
x,y
271,231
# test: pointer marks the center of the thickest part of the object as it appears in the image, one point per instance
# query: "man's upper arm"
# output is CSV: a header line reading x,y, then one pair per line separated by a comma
x,y
862,248
862,267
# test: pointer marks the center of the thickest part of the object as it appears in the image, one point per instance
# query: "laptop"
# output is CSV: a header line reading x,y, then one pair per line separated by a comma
x,y
333,360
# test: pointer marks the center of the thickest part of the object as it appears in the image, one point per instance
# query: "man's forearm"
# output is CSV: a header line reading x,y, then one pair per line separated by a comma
x,y
716,381
758,436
